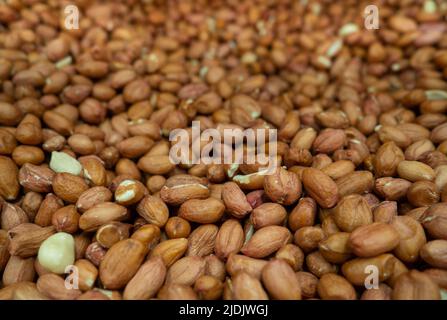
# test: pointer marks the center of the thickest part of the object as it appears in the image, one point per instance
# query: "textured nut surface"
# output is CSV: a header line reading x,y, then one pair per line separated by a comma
x,y
129,192
354,270
415,171
336,248
334,287
352,212
101,214
170,250
92,197
412,238
202,211
18,270
68,187
373,239
434,220
9,185
53,286
387,159
280,281
415,285
202,240
147,281
282,186
266,241
235,200
186,270
229,239
321,187
435,253
246,287
121,262
154,210
176,190
268,214
36,178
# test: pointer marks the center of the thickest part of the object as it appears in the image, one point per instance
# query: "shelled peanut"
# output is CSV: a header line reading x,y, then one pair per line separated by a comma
x,y
87,183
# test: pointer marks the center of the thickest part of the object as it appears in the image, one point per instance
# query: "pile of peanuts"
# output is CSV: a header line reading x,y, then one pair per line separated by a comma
x,y
92,206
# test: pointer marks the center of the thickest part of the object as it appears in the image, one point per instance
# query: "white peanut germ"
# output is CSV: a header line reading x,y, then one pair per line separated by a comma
x,y
57,252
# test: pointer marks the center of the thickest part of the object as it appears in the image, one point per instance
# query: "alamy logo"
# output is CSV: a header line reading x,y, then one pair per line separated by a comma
x,y
372,280
371,15
72,280
71,17
225,146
